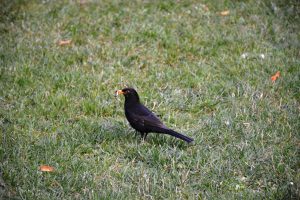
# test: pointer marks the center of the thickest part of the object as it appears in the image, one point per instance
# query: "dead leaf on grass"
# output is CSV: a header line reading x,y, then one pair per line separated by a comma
x,y
205,7
64,42
225,13
275,76
46,168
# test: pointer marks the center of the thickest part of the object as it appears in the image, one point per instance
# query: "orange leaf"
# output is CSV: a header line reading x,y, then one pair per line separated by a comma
x,y
275,76
46,168
64,42
225,13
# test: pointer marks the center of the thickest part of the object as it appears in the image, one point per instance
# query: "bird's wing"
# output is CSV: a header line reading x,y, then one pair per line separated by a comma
x,y
144,117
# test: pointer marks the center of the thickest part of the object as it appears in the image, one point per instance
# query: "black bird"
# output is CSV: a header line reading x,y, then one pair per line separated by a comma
x,y
142,119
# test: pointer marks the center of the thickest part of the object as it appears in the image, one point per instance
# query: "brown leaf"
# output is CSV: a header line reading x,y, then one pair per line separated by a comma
x,y
46,168
275,76
205,7
225,13
64,42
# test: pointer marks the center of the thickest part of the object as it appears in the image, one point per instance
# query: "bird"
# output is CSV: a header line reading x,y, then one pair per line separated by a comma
x,y
142,119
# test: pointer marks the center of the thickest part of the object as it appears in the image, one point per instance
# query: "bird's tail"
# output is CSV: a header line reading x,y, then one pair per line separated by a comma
x,y
178,135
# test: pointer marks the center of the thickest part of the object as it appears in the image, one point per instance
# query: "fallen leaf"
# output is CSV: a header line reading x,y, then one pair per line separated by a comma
x,y
64,42
275,76
46,168
205,7
225,13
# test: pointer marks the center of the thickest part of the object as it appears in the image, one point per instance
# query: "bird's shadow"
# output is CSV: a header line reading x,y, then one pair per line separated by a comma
x,y
120,132
162,139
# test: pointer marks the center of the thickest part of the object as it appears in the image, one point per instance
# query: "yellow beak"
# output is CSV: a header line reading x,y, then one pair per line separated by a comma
x,y
119,92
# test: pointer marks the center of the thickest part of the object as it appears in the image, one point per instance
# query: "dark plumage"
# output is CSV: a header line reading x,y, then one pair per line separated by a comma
x,y
142,119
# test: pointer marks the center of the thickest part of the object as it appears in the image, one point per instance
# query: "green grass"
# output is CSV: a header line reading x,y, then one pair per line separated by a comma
x,y
57,105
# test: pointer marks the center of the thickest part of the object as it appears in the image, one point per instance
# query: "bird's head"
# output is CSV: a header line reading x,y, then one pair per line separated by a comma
x,y
130,95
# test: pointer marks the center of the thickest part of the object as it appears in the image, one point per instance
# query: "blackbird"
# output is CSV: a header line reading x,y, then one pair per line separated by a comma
x,y
142,119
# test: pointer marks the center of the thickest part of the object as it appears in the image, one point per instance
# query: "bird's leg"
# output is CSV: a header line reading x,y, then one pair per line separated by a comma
x,y
144,135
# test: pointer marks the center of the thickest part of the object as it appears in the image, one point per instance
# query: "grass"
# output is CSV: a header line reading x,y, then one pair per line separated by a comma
x,y
184,59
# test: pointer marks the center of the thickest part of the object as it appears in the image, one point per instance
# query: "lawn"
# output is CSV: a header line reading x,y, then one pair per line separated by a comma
x,y
204,67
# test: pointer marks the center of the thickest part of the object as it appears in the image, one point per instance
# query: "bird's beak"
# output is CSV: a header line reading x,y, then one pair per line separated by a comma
x,y
118,92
